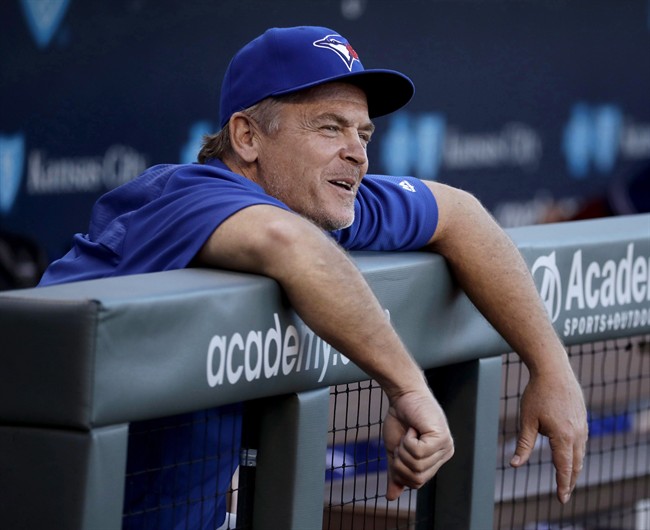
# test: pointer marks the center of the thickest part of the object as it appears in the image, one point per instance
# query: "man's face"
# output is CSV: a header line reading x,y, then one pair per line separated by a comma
x,y
315,161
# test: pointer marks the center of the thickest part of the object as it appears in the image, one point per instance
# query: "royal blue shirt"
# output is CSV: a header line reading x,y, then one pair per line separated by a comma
x,y
159,221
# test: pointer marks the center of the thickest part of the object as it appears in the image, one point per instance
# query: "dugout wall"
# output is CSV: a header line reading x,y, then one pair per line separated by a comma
x,y
81,361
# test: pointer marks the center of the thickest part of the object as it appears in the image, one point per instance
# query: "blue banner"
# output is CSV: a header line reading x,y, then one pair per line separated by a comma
x,y
536,107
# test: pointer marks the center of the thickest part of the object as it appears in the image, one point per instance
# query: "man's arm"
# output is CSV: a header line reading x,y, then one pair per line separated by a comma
x,y
334,300
492,272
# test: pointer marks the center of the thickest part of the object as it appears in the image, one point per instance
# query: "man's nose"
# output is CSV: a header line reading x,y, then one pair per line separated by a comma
x,y
355,150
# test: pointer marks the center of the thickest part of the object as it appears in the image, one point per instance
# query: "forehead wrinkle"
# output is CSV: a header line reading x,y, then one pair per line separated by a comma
x,y
331,92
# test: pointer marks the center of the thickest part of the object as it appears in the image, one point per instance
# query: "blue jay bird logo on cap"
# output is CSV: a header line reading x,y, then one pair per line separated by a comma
x,y
338,45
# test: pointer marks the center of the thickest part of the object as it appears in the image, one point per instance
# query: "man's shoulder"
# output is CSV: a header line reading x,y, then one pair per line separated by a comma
x,y
394,184
176,177
216,171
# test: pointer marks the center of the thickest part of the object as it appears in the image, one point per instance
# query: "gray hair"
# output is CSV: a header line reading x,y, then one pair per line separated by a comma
x,y
266,114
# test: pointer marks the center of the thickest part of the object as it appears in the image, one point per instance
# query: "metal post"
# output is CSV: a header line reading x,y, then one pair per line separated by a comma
x,y
290,472
250,440
461,496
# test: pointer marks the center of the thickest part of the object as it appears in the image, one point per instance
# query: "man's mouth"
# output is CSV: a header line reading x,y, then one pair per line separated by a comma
x,y
342,184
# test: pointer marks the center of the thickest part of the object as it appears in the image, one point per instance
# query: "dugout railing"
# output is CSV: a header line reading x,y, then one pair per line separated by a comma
x,y
79,362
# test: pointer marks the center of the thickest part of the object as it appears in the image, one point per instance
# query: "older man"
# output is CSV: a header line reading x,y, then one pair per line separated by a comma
x,y
282,191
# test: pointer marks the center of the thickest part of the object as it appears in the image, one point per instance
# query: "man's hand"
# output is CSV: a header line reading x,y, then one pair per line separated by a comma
x,y
417,441
490,269
331,296
555,409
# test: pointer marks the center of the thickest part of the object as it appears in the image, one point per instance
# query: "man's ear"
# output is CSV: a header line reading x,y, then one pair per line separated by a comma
x,y
244,137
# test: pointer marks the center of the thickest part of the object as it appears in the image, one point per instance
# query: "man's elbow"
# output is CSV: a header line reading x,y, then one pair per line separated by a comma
x,y
460,214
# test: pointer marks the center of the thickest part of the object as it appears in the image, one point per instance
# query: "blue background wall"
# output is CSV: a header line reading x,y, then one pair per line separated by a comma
x,y
536,107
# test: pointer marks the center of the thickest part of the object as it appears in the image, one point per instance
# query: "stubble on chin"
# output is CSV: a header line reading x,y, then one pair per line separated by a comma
x,y
311,210
329,223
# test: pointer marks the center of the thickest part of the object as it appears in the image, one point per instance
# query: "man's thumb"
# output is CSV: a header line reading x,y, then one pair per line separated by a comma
x,y
525,446
393,490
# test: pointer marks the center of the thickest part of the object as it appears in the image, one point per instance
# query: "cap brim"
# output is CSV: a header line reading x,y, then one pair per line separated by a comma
x,y
386,90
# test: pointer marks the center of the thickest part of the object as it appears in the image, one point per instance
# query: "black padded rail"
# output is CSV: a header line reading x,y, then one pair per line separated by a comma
x,y
115,350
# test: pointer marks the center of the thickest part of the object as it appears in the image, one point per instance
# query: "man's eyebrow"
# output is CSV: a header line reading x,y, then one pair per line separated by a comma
x,y
344,122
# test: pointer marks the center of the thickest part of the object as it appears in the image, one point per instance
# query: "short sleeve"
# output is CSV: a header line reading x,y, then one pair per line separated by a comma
x,y
157,222
168,232
391,213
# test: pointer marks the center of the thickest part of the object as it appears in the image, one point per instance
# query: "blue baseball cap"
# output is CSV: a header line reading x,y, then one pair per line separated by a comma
x,y
286,60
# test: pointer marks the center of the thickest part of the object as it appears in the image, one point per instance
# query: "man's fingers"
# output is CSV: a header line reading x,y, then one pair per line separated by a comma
x,y
567,459
568,456
420,455
418,458
394,490
564,472
417,440
553,406
416,478
578,460
525,446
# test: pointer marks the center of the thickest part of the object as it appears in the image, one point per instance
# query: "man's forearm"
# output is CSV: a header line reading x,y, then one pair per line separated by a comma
x,y
323,285
334,300
492,272
495,277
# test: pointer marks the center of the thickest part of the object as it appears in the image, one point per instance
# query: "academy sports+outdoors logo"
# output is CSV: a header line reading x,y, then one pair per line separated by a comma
x,y
279,350
597,292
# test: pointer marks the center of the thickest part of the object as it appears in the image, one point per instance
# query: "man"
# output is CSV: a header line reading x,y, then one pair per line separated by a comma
x,y
280,191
